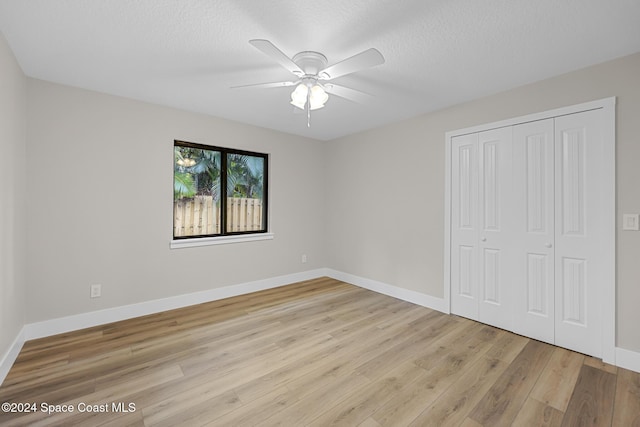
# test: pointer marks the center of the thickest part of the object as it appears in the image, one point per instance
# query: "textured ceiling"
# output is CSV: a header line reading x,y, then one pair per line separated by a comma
x,y
188,53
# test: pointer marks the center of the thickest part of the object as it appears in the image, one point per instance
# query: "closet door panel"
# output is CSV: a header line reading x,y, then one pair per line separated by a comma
x,y
464,226
533,237
494,154
579,230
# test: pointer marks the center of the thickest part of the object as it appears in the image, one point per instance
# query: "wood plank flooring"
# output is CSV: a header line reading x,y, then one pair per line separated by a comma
x,y
314,353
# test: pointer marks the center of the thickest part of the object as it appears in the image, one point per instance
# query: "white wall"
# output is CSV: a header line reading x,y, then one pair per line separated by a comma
x,y
13,115
100,193
385,187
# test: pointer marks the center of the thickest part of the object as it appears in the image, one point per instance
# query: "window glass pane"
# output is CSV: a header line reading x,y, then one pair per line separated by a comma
x,y
245,193
196,192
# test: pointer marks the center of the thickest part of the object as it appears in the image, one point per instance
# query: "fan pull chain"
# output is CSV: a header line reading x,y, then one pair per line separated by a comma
x,y
309,108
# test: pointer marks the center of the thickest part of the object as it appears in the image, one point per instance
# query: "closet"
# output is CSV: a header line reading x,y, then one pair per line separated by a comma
x,y
530,227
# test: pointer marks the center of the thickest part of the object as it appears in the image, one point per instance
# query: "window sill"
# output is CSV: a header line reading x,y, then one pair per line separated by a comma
x,y
220,240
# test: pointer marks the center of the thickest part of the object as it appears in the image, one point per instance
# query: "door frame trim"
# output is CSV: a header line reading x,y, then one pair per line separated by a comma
x,y
607,293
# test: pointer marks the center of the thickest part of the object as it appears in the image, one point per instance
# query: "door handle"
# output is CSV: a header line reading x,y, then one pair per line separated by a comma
x,y
484,239
548,245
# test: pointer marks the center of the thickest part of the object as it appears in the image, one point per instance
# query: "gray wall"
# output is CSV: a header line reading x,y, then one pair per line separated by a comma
x,y
13,140
100,194
386,186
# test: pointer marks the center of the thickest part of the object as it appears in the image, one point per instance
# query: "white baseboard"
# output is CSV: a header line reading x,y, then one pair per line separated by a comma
x,y
95,318
414,297
10,356
628,359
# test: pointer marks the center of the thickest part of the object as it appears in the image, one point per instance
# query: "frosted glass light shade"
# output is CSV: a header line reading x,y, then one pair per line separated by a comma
x,y
299,96
317,97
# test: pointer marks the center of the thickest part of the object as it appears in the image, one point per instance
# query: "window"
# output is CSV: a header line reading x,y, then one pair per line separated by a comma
x,y
218,191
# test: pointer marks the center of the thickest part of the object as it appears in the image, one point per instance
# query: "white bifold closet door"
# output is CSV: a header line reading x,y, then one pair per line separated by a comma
x,y
534,237
525,229
483,224
464,226
581,225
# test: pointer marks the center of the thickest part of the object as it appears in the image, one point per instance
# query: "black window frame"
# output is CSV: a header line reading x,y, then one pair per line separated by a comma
x,y
224,152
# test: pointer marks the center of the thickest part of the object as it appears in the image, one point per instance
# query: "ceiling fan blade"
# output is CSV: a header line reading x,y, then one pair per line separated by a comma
x,y
348,93
269,49
367,59
267,85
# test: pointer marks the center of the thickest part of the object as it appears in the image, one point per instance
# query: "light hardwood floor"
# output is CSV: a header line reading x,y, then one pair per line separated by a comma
x,y
314,353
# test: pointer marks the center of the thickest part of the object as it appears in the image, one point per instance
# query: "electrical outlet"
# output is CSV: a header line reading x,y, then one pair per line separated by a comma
x,y
304,258
96,291
631,222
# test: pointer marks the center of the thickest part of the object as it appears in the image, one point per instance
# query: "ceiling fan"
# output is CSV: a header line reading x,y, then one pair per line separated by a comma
x,y
313,76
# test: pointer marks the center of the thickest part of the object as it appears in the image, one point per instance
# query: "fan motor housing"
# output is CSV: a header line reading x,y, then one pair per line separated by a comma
x,y
310,62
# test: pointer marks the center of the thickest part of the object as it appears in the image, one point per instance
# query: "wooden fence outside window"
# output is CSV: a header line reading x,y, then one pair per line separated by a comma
x,y
199,216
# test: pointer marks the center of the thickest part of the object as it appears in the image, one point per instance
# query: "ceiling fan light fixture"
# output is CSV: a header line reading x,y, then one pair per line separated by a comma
x,y
311,68
299,96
